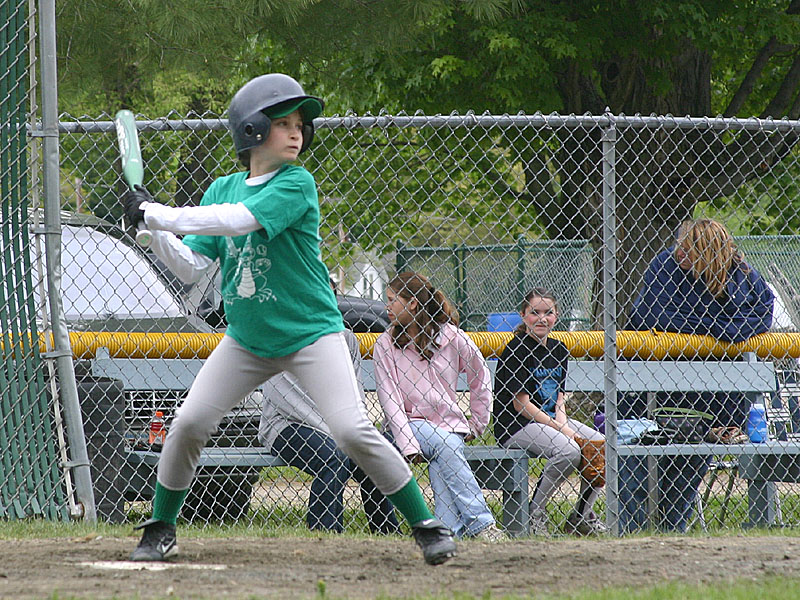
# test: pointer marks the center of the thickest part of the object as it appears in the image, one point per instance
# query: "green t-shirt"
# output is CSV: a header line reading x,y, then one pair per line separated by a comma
x,y
274,284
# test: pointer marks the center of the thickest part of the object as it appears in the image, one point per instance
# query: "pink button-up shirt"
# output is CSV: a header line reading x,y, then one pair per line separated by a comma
x,y
410,387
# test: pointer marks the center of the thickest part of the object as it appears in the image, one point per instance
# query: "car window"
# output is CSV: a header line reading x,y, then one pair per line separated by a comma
x,y
104,277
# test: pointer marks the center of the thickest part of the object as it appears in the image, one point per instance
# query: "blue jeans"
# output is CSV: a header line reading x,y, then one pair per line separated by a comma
x,y
315,453
678,477
458,500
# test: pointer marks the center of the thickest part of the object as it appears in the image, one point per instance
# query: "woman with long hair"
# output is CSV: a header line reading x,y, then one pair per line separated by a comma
x,y
702,285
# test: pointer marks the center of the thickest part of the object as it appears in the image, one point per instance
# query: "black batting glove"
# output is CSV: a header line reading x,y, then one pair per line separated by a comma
x,y
131,201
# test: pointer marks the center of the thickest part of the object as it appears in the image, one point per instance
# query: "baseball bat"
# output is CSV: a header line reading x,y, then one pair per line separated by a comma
x,y
131,156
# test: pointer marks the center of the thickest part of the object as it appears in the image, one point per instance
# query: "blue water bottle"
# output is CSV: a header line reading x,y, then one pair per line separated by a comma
x,y
757,424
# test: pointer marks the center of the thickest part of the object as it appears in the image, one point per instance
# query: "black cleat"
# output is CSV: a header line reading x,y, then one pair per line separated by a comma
x,y
158,541
436,541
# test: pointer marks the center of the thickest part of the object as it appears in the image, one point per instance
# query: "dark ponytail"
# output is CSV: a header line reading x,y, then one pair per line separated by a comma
x,y
433,311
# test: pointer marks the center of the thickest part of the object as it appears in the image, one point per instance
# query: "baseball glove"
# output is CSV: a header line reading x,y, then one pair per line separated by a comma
x,y
593,461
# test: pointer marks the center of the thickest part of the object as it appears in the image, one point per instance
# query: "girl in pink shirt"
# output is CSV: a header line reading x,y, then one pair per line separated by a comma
x,y
417,364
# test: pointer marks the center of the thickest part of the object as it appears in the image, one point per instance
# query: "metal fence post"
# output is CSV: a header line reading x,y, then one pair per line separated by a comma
x,y
460,279
400,259
609,276
519,278
63,352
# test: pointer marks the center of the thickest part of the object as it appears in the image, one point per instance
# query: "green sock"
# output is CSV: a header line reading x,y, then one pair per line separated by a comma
x,y
409,501
167,504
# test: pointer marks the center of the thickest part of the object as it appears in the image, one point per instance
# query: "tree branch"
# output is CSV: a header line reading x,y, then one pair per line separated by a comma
x,y
560,221
723,168
794,111
779,105
749,81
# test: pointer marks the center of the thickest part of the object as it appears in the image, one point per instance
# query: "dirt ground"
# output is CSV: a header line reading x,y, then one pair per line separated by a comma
x,y
345,567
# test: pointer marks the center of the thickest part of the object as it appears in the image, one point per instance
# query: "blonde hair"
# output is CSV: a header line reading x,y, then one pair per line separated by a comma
x,y
711,250
433,310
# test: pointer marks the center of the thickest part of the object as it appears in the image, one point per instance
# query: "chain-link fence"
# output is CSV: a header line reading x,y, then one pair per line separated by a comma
x,y
486,207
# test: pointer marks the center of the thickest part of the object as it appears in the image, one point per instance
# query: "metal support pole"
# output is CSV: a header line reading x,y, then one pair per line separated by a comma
x,y
609,276
52,215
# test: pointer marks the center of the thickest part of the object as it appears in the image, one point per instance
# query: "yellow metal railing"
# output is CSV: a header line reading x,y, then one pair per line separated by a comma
x,y
647,345
652,345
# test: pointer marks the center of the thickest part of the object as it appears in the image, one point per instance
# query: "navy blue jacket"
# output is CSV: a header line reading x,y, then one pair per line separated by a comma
x,y
671,299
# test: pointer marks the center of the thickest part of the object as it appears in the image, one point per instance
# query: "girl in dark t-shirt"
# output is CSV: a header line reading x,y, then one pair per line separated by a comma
x,y
530,414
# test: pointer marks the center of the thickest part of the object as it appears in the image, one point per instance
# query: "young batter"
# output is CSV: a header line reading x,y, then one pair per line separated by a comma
x,y
262,225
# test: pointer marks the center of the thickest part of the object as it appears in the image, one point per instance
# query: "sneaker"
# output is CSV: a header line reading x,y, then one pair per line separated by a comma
x,y
436,541
158,541
584,526
491,534
539,523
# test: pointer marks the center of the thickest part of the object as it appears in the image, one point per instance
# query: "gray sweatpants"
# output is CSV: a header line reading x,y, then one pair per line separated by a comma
x,y
563,458
325,371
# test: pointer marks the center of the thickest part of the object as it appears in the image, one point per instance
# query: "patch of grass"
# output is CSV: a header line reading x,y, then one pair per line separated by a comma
x,y
38,528
274,526
283,473
285,521
770,588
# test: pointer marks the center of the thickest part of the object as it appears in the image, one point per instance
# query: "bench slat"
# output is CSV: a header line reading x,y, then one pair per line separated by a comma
x,y
675,376
768,448
582,375
648,376
260,457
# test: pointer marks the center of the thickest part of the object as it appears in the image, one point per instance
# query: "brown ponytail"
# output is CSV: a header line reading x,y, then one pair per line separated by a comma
x,y
433,311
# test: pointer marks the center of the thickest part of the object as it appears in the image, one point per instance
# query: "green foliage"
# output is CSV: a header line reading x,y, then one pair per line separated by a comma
x,y
496,55
145,55
764,206
415,184
511,56
179,166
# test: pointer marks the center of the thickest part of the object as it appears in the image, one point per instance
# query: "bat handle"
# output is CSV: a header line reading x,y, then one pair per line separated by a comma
x,y
144,238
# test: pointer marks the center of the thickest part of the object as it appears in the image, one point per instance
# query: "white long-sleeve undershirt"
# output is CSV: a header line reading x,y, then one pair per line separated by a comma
x,y
214,219
185,263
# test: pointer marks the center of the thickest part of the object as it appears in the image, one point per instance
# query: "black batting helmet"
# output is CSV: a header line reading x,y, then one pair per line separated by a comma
x,y
268,97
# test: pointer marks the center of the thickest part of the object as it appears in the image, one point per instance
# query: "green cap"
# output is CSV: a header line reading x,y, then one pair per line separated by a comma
x,y
309,107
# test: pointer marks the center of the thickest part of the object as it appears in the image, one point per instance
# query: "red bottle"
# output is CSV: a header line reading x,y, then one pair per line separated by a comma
x,y
158,432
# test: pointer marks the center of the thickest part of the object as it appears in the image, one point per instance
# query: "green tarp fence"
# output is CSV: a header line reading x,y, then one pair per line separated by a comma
x,y
492,278
30,476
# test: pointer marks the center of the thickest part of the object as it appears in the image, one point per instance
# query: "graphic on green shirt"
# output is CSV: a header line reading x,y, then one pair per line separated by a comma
x,y
250,276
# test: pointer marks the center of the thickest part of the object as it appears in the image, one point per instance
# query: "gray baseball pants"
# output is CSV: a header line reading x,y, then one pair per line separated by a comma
x,y
325,371
562,453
